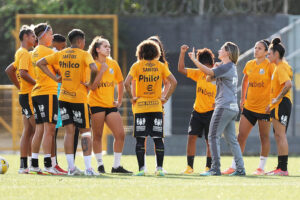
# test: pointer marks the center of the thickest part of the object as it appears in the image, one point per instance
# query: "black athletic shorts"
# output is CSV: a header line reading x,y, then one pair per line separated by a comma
x,y
283,111
45,108
75,113
102,109
148,124
199,123
25,101
252,117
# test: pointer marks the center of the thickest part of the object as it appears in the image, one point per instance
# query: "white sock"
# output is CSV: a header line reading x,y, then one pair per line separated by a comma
x,y
70,160
29,163
47,155
99,159
87,161
53,161
233,165
262,162
117,161
35,155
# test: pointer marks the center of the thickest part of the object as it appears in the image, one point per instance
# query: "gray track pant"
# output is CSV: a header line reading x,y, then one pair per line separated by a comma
x,y
223,121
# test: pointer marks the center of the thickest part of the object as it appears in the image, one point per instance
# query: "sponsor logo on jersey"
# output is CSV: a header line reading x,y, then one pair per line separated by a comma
x,y
69,64
257,84
150,78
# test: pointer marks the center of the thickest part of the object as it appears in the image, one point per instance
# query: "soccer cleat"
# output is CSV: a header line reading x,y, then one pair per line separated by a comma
x,y
120,169
140,173
211,173
101,169
188,170
159,173
35,170
90,172
23,171
259,172
59,169
228,171
51,171
278,172
238,173
207,169
75,172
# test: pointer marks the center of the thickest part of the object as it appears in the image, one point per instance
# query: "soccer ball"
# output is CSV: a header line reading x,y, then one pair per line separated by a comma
x,y
3,165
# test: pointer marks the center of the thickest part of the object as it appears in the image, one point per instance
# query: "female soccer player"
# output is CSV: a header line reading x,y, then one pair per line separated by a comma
x,y
149,73
203,106
226,108
103,107
257,84
21,72
281,105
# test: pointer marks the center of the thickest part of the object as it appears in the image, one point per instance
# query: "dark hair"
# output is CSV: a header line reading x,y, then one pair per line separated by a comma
x,y
156,39
25,30
75,34
96,43
58,38
206,57
148,50
41,29
266,43
276,45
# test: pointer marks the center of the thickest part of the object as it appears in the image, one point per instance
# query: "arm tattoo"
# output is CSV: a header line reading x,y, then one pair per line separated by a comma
x,y
283,92
93,76
85,144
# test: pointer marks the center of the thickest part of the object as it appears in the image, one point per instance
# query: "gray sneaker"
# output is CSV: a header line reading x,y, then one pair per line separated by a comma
x,y
238,173
75,172
91,172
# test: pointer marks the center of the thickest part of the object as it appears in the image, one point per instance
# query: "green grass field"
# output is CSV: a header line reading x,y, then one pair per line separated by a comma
x,y
173,186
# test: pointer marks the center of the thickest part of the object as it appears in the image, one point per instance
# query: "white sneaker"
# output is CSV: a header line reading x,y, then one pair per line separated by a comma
x,y
35,170
75,172
91,172
51,171
23,171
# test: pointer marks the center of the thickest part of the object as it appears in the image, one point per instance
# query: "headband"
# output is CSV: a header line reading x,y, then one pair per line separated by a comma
x,y
266,45
46,29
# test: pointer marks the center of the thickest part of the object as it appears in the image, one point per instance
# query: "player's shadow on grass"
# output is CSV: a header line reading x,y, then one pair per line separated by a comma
x,y
105,176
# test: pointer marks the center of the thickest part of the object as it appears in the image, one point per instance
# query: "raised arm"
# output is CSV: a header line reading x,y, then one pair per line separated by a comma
x,y
181,65
203,68
11,73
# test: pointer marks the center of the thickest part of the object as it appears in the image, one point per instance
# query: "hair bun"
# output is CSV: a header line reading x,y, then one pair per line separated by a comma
x,y
276,41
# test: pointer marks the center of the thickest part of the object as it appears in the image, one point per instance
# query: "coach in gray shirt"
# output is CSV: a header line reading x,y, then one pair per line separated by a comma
x,y
226,108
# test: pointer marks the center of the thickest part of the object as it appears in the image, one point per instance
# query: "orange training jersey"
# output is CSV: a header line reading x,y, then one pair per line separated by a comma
x,y
259,85
103,96
282,73
148,76
23,61
205,91
44,84
73,64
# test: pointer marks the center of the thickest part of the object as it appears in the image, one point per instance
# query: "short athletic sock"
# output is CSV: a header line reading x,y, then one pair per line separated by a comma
x,y
70,160
262,162
29,161
190,161
23,162
53,161
208,162
282,162
99,159
87,161
159,151
35,160
47,160
117,160
140,152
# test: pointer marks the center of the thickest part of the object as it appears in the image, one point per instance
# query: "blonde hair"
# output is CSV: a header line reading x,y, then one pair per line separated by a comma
x,y
233,51
148,50
96,43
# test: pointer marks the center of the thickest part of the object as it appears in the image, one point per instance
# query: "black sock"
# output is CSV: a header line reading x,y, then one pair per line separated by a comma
x,y
35,162
282,163
47,162
76,135
23,163
140,151
159,151
208,162
190,161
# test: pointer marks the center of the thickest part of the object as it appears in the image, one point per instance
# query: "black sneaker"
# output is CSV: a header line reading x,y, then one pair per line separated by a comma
x,y
101,169
120,169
